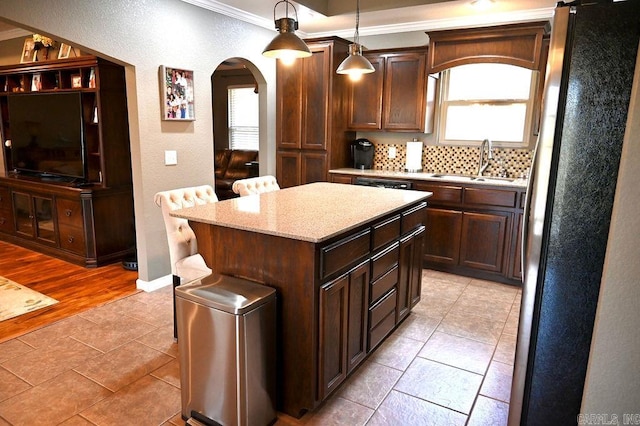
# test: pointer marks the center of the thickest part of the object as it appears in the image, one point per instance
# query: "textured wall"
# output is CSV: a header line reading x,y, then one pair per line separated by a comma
x,y
142,35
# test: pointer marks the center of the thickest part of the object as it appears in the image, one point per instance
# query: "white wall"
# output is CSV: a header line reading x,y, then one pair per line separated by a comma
x,y
142,35
612,386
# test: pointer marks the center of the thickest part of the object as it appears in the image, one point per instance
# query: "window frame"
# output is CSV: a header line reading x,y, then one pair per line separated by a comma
x,y
528,138
229,117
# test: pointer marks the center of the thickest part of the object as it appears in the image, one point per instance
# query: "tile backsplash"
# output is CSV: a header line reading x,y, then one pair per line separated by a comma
x,y
508,162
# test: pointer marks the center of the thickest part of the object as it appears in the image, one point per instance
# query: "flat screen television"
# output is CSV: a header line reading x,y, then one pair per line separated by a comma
x,y
47,135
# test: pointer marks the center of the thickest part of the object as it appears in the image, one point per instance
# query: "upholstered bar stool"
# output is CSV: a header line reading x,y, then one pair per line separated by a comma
x,y
255,185
186,263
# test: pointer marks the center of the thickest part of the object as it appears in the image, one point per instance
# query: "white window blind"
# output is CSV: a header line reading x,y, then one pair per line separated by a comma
x,y
481,101
243,118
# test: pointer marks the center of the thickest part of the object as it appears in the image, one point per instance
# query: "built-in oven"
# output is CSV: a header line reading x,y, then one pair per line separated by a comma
x,y
383,183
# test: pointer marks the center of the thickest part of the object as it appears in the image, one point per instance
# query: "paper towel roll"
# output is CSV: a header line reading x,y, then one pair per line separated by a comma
x,y
414,156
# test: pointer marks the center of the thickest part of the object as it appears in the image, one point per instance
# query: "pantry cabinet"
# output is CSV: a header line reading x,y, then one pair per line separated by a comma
x,y
311,131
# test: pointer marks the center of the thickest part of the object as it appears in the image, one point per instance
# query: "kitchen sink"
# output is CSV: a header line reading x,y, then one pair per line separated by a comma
x,y
471,178
491,179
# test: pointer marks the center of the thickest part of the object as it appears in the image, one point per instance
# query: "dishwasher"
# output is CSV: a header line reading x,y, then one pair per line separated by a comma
x,y
383,183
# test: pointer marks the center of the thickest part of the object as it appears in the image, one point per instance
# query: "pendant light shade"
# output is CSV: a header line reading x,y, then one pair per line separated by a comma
x,y
286,45
355,65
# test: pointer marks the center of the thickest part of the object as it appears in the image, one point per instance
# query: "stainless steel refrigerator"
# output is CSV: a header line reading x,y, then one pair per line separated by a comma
x,y
592,57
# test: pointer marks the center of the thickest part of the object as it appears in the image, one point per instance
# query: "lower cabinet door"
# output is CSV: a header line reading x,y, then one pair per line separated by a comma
x,y
484,240
332,363
344,315
410,276
442,244
358,315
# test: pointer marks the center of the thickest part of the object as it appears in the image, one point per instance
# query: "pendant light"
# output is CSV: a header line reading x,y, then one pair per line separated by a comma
x,y
286,45
355,65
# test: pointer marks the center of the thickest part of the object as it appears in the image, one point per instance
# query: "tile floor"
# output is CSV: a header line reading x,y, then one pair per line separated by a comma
x,y
450,362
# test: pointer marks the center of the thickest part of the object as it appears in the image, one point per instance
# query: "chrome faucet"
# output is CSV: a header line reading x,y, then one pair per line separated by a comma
x,y
483,162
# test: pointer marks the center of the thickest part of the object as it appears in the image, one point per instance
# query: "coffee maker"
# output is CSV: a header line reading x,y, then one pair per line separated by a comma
x,y
362,151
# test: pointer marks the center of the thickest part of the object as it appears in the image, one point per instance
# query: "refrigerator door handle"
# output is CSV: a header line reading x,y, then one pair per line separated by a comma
x,y
525,217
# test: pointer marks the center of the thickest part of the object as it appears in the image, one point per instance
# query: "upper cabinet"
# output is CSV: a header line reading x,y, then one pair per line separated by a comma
x,y
398,96
516,44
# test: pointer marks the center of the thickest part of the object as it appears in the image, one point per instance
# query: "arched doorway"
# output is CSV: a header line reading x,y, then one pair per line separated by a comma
x,y
238,137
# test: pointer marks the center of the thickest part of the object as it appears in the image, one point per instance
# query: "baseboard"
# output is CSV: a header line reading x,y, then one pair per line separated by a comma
x,y
155,284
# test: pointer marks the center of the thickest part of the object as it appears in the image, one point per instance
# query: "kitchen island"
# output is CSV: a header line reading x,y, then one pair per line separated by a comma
x,y
346,264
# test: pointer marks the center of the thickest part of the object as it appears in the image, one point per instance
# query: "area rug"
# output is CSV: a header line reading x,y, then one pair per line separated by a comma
x,y
16,299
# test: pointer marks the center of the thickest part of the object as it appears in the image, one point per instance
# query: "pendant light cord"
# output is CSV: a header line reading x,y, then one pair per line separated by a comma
x,y
356,36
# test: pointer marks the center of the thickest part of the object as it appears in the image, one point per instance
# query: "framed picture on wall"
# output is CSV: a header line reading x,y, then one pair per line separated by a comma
x,y
176,93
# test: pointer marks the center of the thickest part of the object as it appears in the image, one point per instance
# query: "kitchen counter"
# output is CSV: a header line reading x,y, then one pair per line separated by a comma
x,y
315,212
346,264
434,177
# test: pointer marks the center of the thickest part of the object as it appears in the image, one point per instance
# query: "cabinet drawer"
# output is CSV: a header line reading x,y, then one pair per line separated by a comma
x,y
382,319
72,239
385,232
69,212
490,197
384,261
442,194
380,310
414,217
340,254
383,284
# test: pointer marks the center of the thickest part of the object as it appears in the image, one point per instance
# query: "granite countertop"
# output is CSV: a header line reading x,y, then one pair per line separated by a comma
x,y
433,177
314,212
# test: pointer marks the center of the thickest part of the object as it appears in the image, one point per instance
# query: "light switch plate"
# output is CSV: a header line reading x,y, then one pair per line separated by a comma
x,y
392,152
170,158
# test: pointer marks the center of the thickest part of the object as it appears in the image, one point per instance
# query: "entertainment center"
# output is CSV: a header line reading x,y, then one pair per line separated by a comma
x,y
66,185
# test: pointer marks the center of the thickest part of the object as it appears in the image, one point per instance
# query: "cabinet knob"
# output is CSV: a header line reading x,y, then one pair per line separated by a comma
x,y
70,239
2,220
67,212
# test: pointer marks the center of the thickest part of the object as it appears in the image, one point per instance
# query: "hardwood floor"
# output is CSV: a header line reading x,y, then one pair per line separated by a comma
x,y
76,288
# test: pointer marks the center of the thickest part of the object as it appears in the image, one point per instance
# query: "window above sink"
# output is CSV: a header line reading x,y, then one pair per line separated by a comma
x,y
480,101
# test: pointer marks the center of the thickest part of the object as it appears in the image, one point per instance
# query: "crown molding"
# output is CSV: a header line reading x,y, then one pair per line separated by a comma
x,y
233,12
445,24
424,25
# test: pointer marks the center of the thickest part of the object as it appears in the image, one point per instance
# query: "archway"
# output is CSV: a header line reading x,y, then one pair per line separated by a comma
x,y
231,76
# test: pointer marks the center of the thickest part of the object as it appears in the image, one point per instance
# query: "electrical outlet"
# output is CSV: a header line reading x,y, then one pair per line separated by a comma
x,y
170,158
392,152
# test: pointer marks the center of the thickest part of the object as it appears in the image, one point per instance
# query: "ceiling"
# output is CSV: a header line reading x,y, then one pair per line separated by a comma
x,y
319,18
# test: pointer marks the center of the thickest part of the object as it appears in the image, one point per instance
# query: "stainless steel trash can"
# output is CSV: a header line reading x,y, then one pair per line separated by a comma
x,y
226,341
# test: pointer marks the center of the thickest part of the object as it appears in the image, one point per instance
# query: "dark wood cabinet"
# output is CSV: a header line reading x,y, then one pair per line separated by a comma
x,y
484,238
6,211
516,261
343,320
410,272
472,230
395,96
365,97
86,220
86,226
442,242
338,297
34,217
333,324
311,131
